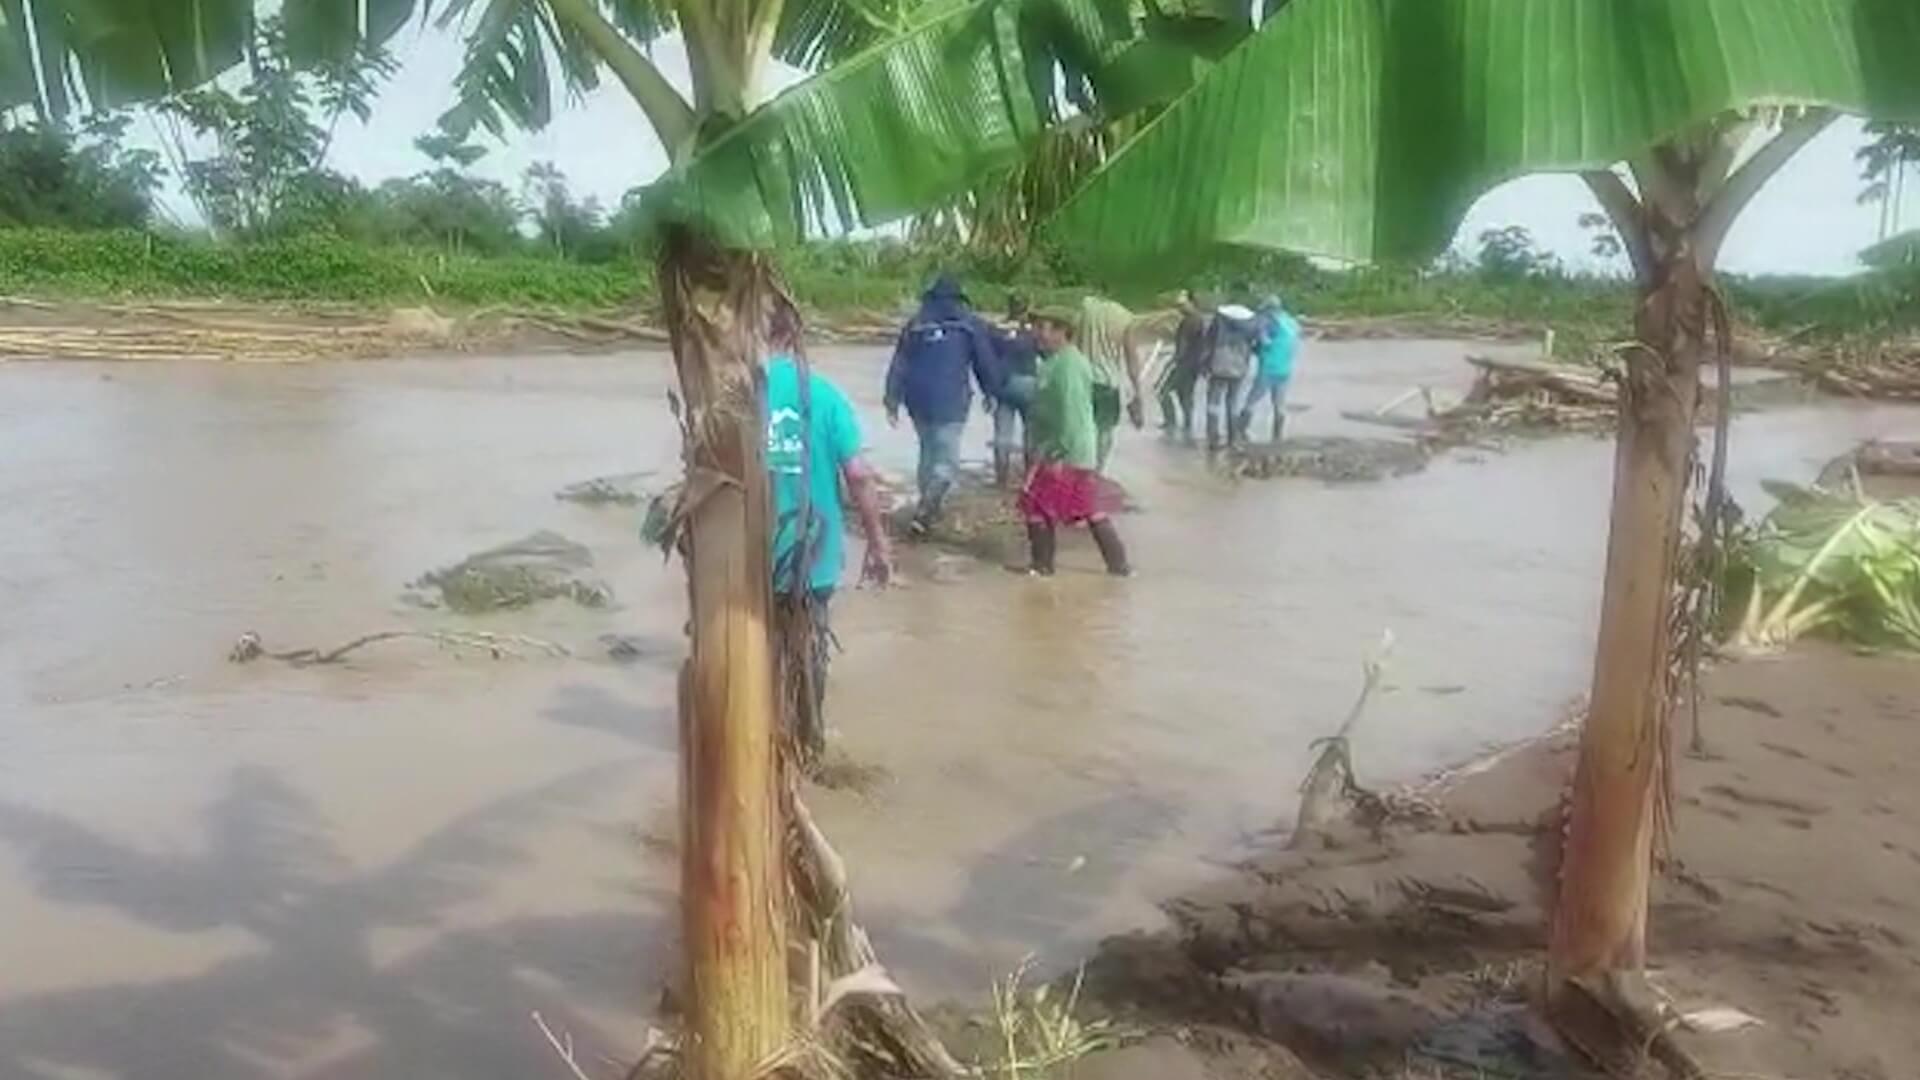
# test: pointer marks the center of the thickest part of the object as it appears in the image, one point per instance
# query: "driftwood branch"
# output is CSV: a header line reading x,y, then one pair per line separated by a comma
x,y
859,1000
249,647
1562,380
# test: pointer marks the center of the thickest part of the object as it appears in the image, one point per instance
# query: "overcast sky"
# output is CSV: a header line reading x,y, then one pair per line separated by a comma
x,y
1806,221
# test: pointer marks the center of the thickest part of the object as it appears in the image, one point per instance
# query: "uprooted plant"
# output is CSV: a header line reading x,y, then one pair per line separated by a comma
x,y
1836,563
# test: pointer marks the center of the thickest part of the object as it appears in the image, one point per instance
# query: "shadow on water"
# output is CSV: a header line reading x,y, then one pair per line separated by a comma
x,y
647,724
1037,893
312,990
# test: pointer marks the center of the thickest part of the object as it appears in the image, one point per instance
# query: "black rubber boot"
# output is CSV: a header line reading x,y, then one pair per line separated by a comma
x,y
1111,549
1042,541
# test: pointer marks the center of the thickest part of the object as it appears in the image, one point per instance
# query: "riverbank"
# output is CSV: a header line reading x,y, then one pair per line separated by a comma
x,y
1788,899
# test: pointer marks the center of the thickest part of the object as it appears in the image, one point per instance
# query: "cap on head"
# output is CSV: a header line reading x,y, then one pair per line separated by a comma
x,y
1065,318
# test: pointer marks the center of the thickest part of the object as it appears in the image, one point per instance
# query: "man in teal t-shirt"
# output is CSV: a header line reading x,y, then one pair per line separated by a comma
x,y
817,430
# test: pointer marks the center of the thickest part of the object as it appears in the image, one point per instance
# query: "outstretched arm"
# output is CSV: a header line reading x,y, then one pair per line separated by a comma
x,y
896,379
1130,348
877,567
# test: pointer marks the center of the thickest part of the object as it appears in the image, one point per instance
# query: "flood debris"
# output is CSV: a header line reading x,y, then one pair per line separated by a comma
x,y
1532,395
1884,370
617,489
540,566
1336,459
1892,460
248,647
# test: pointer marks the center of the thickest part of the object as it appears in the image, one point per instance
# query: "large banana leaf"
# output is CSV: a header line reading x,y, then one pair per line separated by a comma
x,y
908,122
126,51
1363,129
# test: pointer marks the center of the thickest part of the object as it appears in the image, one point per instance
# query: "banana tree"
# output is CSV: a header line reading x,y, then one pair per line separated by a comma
x,y
1362,129
910,101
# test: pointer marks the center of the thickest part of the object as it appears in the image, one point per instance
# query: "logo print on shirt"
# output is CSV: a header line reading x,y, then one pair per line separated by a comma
x,y
784,441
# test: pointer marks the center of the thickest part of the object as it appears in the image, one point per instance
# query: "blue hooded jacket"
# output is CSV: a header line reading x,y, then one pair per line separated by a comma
x,y
944,340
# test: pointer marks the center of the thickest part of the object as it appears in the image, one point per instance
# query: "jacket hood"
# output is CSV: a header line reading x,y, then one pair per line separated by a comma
x,y
947,288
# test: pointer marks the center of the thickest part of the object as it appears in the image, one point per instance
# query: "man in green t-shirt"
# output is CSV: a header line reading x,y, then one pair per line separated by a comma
x,y
1064,485
813,445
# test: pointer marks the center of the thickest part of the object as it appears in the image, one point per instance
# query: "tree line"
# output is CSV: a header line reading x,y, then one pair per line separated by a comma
x,y
255,161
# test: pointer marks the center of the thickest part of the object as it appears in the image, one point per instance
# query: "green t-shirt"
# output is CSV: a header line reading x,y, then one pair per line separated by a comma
x,y
1062,411
834,439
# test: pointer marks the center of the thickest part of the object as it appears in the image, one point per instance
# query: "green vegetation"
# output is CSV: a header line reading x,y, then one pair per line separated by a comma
x,y
1839,564
317,268
876,277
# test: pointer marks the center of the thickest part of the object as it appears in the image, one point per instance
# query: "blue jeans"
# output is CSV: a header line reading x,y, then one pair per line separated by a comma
x,y
1223,406
1010,413
1269,389
939,464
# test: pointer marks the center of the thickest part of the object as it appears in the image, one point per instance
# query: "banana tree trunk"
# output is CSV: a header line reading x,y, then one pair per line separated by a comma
x,y
733,874
1599,928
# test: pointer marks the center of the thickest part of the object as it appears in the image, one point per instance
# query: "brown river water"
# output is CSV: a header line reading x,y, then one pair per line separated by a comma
x,y
381,868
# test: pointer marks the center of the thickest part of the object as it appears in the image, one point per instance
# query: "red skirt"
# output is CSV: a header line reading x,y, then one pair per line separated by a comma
x,y
1060,494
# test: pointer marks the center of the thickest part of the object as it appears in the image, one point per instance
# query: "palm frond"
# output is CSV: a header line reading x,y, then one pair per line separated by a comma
x,y
1364,128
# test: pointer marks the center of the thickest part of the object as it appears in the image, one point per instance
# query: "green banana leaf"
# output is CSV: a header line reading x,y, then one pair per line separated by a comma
x,y
1363,129
912,120
127,51
1839,561
942,91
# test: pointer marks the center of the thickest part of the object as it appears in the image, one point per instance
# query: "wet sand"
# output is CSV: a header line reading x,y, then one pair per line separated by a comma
x,y
378,869
1789,897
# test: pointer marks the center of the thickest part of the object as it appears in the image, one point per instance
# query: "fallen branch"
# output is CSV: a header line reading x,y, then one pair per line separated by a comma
x,y
867,1008
1330,786
249,646
564,1050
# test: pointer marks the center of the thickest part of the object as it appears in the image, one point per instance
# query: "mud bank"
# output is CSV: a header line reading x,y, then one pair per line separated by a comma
x,y
1790,896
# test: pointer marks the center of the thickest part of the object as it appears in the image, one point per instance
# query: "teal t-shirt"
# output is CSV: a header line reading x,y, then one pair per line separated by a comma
x,y
834,439
1282,341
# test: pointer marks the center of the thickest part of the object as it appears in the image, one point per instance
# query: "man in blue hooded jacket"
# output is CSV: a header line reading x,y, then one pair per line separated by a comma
x,y
937,349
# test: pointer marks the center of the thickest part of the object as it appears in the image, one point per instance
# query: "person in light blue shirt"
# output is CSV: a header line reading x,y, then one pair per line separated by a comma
x,y
813,446
1273,366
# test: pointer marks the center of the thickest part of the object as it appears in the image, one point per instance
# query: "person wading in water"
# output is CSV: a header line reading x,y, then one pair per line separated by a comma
x,y
1063,485
928,376
813,445
1019,371
1183,374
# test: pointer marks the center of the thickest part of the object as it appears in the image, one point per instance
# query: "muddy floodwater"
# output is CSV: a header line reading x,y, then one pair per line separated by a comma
x,y
381,868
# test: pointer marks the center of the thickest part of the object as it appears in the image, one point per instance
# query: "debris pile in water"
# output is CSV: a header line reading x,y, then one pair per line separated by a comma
x,y
1887,370
619,489
1533,395
541,566
1889,467
1334,458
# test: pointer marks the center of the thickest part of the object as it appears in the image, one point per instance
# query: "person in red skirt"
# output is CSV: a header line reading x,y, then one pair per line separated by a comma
x,y
1063,485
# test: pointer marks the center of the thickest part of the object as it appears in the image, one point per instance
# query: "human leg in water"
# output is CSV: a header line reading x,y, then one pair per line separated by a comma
x,y
1219,411
1107,539
939,465
1042,542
